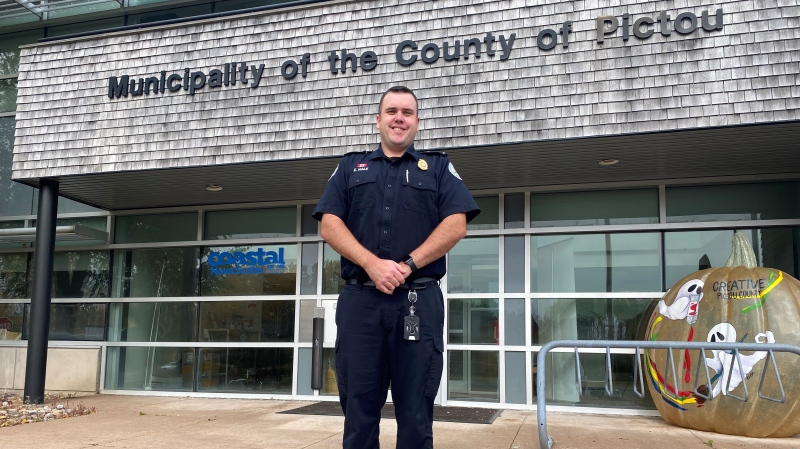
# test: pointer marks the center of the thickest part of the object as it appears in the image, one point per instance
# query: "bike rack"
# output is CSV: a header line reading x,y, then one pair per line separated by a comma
x,y
546,441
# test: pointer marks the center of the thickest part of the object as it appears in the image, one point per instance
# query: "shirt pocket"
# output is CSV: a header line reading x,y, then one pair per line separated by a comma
x,y
361,186
419,193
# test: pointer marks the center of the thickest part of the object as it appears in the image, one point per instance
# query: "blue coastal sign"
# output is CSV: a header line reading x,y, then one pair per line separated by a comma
x,y
251,262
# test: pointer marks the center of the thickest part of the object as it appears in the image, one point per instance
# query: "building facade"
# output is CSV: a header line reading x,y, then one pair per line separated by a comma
x,y
614,147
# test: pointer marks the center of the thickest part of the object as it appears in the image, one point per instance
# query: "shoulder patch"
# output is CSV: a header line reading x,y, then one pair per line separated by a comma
x,y
453,171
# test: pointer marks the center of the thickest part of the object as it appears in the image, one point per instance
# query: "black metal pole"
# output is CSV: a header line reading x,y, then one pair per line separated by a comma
x,y
318,335
36,367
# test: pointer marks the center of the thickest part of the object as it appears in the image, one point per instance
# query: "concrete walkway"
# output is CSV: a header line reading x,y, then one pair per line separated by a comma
x,y
170,422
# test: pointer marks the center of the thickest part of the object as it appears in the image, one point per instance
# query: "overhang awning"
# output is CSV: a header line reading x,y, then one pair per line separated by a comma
x,y
63,233
700,155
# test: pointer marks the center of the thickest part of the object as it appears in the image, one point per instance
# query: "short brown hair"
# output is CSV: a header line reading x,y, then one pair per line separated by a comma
x,y
398,90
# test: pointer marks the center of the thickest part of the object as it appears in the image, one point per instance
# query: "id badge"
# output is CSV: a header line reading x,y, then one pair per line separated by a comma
x,y
411,328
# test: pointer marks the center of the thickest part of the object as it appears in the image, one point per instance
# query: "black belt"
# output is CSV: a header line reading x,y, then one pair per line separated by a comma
x,y
418,283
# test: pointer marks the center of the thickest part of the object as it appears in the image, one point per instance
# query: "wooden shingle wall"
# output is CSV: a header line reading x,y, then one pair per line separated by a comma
x,y
66,123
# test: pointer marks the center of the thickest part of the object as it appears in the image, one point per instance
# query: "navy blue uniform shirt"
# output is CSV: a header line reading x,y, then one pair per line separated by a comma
x,y
391,207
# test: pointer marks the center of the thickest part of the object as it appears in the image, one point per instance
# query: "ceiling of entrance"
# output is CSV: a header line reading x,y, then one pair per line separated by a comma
x,y
769,150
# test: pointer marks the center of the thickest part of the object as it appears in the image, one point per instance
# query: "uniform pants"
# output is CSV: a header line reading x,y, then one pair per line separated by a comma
x,y
371,353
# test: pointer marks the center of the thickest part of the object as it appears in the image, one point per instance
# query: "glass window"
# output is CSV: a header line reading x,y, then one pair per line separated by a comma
x,y
84,322
155,228
251,321
142,273
609,207
473,376
13,276
515,378
9,48
561,388
515,322
141,368
167,14
253,370
251,224
309,223
332,282
596,263
249,270
8,95
473,321
474,266
690,251
514,264
304,371
80,274
11,317
768,201
99,223
489,217
589,319
153,321
308,276
514,210
17,199
85,9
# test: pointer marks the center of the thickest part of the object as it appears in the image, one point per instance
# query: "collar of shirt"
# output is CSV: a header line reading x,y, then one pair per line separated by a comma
x,y
377,154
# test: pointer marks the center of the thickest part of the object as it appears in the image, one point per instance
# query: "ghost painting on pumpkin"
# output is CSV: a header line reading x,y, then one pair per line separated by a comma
x,y
688,295
724,362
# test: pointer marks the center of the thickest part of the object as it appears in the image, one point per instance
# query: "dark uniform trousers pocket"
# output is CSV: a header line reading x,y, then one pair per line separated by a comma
x,y
435,371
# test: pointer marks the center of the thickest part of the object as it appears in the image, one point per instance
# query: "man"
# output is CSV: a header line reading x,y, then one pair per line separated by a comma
x,y
392,214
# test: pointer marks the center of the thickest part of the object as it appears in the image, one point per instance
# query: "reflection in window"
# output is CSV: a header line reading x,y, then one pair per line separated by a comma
x,y
561,389
473,376
141,368
514,211
596,263
249,321
153,321
17,199
74,322
249,270
254,370
489,217
308,276
610,207
13,275
514,263
142,273
251,223
80,274
332,282
767,201
473,321
8,95
690,251
473,266
11,316
155,228
589,319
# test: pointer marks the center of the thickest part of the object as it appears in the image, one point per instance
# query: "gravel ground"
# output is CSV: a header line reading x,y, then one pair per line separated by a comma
x,y
14,411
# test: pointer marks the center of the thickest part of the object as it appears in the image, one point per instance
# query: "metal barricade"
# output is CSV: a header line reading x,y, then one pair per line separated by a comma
x,y
546,441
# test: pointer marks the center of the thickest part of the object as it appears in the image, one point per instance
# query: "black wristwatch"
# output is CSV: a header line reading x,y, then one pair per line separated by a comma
x,y
408,260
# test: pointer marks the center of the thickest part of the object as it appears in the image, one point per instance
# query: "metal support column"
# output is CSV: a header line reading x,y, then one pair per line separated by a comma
x,y
36,367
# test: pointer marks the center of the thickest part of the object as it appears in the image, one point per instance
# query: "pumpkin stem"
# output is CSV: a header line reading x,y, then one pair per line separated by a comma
x,y
742,254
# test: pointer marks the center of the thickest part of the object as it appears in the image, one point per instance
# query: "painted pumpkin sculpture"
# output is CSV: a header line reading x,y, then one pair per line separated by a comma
x,y
738,303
